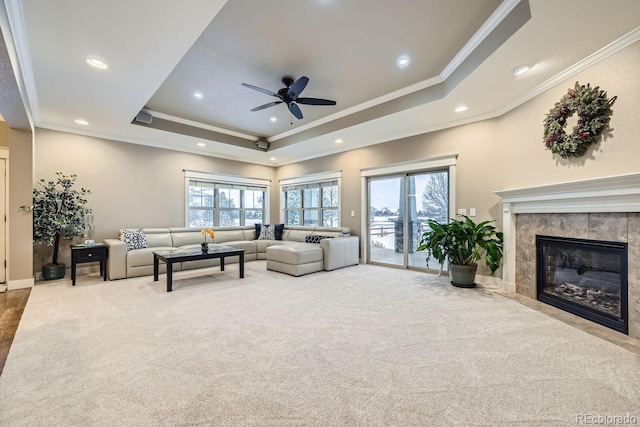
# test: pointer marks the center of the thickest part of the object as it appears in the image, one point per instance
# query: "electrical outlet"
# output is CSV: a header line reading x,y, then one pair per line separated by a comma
x,y
462,211
472,211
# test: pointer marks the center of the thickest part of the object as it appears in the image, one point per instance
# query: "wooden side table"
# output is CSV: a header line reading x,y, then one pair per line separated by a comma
x,y
98,252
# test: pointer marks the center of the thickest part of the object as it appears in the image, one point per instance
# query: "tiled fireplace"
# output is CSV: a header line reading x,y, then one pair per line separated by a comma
x,y
604,210
585,277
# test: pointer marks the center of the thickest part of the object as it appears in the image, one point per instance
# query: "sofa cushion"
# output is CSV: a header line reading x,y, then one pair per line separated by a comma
x,y
157,237
295,253
249,246
223,236
298,235
134,239
143,257
315,238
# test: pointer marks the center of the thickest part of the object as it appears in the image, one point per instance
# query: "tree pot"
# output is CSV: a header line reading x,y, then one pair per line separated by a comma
x,y
53,271
463,276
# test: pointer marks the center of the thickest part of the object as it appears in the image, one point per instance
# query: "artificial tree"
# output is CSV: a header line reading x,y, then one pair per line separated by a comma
x,y
59,211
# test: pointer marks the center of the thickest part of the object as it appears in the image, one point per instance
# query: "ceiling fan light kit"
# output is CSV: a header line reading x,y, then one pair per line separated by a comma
x,y
290,95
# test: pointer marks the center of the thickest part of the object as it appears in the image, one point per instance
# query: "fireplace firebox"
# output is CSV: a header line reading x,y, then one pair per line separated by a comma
x,y
588,278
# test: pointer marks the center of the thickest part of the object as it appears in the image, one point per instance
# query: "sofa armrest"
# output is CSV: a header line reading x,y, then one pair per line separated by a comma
x,y
117,263
340,252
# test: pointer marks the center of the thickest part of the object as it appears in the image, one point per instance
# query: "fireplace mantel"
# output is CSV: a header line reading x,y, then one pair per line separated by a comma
x,y
620,193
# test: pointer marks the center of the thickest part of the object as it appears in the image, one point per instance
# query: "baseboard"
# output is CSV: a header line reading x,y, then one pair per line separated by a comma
x,y
20,284
497,282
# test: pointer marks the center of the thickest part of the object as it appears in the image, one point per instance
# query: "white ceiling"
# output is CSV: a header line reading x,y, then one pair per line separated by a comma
x,y
160,52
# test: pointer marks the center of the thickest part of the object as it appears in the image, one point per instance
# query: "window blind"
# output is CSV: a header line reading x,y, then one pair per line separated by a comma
x,y
309,185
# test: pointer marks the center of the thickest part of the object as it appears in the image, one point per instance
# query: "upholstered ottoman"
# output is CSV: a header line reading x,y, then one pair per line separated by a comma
x,y
295,259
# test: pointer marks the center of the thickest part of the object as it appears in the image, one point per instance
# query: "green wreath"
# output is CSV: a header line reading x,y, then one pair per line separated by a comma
x,y
594,111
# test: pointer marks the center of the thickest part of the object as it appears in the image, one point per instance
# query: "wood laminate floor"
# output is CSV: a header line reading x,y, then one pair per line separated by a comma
x,y
12,305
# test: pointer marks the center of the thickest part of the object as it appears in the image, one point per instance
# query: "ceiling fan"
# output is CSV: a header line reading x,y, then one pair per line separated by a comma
x,y
289,95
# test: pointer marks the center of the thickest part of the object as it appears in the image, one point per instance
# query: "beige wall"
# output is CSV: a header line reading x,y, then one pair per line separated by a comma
x,y
4,134
525,162
142,186
132,185
463,141
506,152
20,247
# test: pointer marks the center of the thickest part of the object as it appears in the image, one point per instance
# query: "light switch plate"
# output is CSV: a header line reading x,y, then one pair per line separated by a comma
x,y
462,211
472,211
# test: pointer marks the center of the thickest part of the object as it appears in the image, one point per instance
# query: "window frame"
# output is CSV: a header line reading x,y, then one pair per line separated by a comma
x,y
232,182
308,182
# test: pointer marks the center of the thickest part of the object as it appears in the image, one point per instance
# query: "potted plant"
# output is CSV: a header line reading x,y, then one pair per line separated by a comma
x,y
59,211
463,243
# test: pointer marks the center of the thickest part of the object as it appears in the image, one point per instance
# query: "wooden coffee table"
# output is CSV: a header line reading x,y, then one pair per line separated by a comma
x,y
186,255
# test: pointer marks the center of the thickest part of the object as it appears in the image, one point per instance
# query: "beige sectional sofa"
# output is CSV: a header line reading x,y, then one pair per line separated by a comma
x,y
291,255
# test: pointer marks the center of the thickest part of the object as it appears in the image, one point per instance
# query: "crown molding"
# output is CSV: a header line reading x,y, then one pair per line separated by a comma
x,y
18,47
600,55
489,25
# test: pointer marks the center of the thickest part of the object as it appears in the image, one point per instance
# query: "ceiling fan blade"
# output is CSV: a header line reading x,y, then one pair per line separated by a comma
x,y
262,107
295,110
297,88
315,101
259,89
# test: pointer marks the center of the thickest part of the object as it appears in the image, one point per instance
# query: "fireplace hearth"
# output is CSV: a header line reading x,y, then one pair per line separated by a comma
x,y
588,278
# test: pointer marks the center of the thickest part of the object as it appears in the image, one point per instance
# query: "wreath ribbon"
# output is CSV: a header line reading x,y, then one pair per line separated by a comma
x,y
594,112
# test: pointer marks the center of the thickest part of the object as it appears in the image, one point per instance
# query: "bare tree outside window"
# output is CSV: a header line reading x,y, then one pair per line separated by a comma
x,y
435,197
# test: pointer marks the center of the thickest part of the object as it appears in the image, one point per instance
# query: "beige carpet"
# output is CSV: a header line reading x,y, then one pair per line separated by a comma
x,y
364,345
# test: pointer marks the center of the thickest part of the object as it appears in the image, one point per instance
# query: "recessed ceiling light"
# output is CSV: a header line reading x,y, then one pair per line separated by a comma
x,y
81,122
403,61
338,141
273,119
198,95
521,69
201,144
461,108
272,158
97,63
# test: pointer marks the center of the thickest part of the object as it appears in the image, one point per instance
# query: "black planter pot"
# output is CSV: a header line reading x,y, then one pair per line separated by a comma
x,y
53,271
205,248
463,276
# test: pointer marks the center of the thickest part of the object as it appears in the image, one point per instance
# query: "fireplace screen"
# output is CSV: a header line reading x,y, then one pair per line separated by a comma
x,y
585,277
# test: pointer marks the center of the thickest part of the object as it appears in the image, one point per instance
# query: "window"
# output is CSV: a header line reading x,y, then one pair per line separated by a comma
x,y
311,200
225,200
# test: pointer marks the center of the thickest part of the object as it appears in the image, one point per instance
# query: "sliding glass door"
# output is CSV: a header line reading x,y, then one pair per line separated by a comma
x,y
385,226
399,208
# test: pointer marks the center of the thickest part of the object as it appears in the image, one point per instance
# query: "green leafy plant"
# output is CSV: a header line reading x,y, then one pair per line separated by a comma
x,y
59,211
463,242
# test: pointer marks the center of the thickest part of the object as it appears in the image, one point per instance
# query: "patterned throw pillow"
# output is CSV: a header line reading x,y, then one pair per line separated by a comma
x,y
315,238
278,231
135,239
267,232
